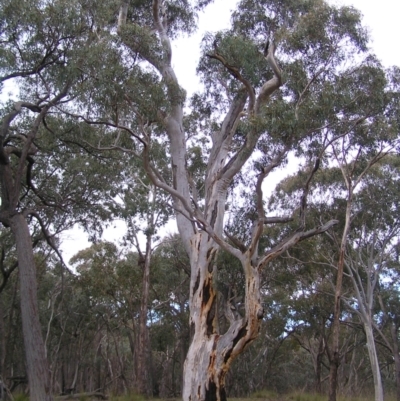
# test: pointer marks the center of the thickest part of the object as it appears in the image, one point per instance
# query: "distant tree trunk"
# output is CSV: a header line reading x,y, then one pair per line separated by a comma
x,y
392,343
396,357
36,362
334,354
2,338
318,364
142,375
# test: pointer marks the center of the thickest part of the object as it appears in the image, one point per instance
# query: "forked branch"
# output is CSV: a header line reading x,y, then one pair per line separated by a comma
x,y
297,237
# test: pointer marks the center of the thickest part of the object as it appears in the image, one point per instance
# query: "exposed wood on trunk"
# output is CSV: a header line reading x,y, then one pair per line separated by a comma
x,y
201,229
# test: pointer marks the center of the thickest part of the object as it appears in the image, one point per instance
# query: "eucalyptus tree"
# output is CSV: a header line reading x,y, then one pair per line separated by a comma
x,y
144,208
351,151
169,331
371,258
43,44
272,84
363,246
108,285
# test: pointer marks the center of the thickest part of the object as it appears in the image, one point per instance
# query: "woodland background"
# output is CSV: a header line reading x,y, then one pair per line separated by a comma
x,y
114,318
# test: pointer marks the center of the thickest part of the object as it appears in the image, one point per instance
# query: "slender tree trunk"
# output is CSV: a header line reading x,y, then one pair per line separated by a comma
x,y
397,372
2,338
334,361
373,357
142,376
10,335
396,356
334,355
318,365
36,362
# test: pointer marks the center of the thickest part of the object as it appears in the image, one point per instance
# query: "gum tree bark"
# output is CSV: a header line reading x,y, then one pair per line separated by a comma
x,y
201,229
12,177
39,381
347,165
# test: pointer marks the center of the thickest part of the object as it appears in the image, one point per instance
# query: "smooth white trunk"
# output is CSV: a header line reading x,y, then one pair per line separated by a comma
x,y
373,357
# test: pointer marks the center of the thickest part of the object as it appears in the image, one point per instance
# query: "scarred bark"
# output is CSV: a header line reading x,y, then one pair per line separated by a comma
x,y
201,228
211,353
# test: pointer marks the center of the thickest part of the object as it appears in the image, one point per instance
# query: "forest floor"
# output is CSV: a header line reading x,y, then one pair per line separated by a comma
x,y
258,396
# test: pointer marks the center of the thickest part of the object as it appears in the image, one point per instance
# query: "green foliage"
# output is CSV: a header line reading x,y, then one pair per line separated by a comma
x,y
333,88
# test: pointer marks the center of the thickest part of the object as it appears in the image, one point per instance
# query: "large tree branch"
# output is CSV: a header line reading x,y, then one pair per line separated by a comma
x,y
48,236
297,237
259,225
161,29
274,83
108,124
277,220
234,71
223,138
28,145
36,69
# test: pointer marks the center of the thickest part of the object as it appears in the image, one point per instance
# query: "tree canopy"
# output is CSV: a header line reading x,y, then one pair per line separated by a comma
x,y
103,130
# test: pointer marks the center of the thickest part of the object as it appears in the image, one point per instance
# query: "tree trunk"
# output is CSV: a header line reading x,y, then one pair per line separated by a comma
x,y
142,375
211,354
2,338
373,357
396,356
318,364
334,354
36,362
397,372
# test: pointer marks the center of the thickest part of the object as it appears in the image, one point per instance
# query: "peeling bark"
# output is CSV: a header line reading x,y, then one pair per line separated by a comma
x,y
211,354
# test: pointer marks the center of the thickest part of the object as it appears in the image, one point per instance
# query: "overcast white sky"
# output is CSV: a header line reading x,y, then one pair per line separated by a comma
x,y
380,16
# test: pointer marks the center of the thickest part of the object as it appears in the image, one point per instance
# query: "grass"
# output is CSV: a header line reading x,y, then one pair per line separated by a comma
x,y
265,395
128,397
21,397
